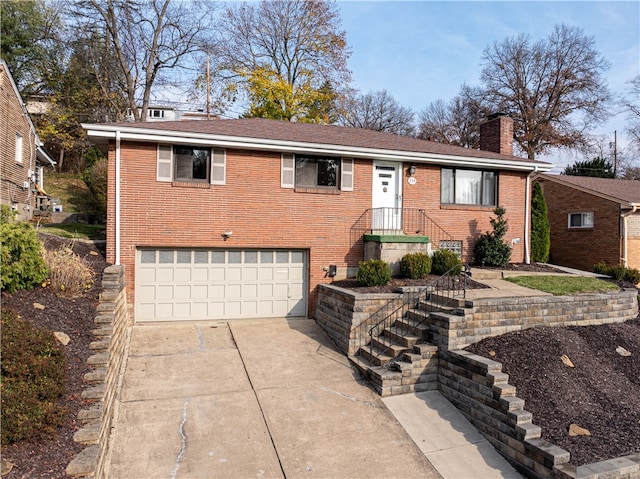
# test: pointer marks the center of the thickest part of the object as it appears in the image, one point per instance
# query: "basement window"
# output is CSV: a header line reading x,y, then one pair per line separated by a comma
x,y
581,220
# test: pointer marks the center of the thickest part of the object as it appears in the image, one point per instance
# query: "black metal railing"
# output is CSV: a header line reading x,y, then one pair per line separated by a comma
x,y
389,221
438,294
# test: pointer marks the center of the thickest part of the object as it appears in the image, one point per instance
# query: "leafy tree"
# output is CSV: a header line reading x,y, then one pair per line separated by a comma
x,y
148,39
598,167
378,111
287,56
30,43
540,229
553,88
490,248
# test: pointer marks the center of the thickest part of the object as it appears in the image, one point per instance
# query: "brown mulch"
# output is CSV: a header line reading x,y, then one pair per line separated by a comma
x,y
48,457
601,393
610,390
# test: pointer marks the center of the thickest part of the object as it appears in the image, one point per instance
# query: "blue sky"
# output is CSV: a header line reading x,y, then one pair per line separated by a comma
x,y
421,51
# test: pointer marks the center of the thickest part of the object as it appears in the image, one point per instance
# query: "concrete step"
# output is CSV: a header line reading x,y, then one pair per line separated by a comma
x,y
402,336
388,346
374,357
416,321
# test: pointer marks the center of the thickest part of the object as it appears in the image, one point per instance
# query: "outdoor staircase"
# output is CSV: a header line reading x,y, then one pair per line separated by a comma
x,y
402,359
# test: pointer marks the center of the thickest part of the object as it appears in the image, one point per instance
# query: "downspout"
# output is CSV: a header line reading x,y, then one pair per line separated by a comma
x,y
527,214
117,213
625,227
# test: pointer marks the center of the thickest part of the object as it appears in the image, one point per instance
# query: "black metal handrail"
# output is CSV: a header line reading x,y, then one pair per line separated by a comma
x,y
436,295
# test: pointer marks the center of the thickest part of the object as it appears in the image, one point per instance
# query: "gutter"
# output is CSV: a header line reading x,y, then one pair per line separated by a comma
x,y
625,226
527,214
117,206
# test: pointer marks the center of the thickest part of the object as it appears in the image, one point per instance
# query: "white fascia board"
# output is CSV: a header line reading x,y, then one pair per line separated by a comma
x,y
225,141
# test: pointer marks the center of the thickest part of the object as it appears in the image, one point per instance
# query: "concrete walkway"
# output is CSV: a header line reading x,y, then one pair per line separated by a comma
x,y
246,399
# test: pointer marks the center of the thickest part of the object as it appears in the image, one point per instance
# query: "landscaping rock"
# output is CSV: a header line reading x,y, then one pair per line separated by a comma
x,y
575,430
62,338
623,352
567,361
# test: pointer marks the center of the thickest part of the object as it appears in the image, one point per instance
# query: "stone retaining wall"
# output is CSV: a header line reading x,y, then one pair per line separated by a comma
x,y
340,312
109,351
486,318
480,390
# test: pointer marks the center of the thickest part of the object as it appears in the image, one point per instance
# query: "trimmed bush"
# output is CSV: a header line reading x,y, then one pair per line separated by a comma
x,y
415,265
540,229
21,257
618,272
32,380
490,249
6,214
69,274
374,272
444,261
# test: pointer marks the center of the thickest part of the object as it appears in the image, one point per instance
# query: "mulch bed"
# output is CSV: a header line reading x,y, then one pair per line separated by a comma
x,y
609,392
48,457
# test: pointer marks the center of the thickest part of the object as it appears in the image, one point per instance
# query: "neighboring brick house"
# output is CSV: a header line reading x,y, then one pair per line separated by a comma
x,y
244,218
593,220
22,158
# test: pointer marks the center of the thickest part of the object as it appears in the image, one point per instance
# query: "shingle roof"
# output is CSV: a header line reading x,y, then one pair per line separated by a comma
x,y
318,134
623,191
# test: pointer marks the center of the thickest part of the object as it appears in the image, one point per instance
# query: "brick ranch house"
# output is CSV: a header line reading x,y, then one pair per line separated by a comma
x,y
245,218
593,220
22,157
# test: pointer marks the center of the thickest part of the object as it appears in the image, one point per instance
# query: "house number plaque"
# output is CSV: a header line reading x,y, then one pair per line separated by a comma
x,y
411,180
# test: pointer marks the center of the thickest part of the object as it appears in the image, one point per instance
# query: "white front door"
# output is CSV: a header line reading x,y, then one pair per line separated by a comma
x,y
387,197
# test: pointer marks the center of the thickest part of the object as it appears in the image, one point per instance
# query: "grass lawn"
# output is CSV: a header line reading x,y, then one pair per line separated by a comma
x,y
75,230
564,285
73,193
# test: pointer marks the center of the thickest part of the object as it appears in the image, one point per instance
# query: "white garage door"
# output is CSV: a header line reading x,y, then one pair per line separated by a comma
x,y
173,284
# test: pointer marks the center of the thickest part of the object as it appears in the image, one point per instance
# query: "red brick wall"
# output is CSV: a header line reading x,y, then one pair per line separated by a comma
x,y
464,222
262,214
581,248
12,173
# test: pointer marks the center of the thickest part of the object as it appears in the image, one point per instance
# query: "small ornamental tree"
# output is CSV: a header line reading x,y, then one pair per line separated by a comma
x,y
490,249
540,229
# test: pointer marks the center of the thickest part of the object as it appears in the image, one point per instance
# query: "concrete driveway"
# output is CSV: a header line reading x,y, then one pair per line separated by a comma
x,y
251,399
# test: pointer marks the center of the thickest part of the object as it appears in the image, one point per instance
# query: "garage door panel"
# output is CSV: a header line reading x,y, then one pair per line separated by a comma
x,y
217,284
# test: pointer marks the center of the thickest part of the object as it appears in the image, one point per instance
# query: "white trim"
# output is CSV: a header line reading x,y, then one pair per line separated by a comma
x,y
162,160
287,171
225,141
117,215
219,166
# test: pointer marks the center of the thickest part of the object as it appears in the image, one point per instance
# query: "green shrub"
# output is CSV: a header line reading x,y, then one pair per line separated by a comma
x,y
632,275
540,229
6,214
21,257
32,380
490,249
415,265
444,261
618,272
374,272
601,268
69,274
96,179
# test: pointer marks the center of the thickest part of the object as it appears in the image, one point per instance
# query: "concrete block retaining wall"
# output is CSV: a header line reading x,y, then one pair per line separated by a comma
x,y
480,390
340,311
109,351
492,317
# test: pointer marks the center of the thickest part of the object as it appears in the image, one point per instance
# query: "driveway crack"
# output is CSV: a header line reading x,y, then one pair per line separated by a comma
x,y
183,435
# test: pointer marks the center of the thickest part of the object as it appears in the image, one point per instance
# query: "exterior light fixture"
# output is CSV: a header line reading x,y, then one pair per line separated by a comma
x,y
226,235
412,170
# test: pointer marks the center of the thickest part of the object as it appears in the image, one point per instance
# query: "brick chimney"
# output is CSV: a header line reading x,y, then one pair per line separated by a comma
x,y
496,134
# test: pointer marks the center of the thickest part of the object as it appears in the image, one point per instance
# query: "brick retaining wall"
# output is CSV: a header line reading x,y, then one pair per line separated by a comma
x,y
109,351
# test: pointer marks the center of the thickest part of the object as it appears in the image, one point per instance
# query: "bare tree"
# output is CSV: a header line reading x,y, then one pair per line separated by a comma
x,y
552,88
454,123
377,111
631,103
148,38
286,56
